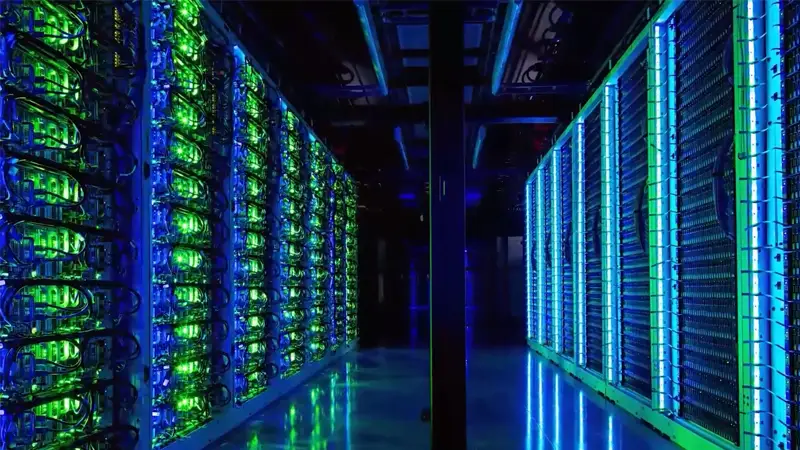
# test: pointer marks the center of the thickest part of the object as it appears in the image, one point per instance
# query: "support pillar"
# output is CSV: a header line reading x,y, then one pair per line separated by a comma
x,y
447,232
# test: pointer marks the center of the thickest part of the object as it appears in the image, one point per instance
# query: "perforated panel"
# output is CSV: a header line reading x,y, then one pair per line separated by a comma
x,y
594,298
706,253
567,313
547,188
634,258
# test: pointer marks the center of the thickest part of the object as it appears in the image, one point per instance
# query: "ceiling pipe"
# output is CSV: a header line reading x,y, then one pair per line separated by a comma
x,y
371,36
513,11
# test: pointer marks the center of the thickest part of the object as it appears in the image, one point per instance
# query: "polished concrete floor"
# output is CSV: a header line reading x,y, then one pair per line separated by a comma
x,y
371,400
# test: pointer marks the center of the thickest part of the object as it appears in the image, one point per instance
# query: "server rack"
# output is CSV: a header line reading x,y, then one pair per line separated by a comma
x,y
148,300
68,217
790,22
699,320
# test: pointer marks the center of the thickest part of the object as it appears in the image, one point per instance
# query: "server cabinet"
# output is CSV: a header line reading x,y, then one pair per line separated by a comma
x,y
69,222
693,129
169,263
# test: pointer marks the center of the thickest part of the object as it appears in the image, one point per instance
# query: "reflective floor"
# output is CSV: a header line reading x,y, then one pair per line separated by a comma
x,y
372,400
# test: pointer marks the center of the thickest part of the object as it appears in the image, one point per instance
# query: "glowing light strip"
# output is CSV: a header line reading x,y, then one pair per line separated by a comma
x,y
528,259
659,155
529,404
581,421
557,404
607,220
540,439
754,232
580,260
610,432
556,245
540,262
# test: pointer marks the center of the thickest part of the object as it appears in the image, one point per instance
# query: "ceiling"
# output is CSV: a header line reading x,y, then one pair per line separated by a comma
x,y
319,54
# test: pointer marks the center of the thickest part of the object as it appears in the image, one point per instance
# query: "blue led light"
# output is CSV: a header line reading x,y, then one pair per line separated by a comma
x,y
371,36
513,11
398,138
478,144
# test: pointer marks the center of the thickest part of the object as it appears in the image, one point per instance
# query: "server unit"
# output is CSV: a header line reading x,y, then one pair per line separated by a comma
x,y
685,309
178,247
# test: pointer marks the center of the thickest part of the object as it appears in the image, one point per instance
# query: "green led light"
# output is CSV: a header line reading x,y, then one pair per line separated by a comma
x,y
186,151
60,28
189,368
295,230
252,265
187,258
187,186
293,315
256,136
49,241
49,186
254,187
188,223
190,331
187,116
256,215
189,296
255,241
188,78
254,161
186,404
49,131
59,83
188,43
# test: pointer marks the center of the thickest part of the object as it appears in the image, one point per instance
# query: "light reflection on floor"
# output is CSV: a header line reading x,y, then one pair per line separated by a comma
x,y
372,401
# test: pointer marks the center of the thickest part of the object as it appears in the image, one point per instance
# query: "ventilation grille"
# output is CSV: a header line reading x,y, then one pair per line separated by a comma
x,y
567,312
706,253
594,297
791,170
634,258
547,194
533,281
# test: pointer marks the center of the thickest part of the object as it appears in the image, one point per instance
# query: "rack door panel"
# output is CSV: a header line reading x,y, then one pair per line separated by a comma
x,y
592,221
791,202
547,233
706,243
568,302
634,252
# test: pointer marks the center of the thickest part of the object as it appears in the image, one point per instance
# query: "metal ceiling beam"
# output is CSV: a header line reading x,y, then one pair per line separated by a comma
x,y
504,47
517,112
371,36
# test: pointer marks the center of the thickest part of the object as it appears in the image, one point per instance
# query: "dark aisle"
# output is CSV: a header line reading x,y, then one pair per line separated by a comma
x,y
371,400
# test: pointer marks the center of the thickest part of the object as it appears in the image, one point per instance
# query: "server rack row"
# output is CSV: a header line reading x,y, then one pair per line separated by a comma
x,y
676,220
178,248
